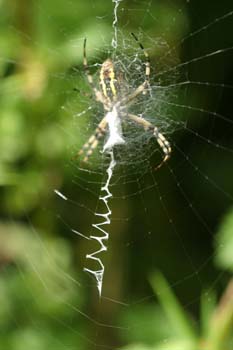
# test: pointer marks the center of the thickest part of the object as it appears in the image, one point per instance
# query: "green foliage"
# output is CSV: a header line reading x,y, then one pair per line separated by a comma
x,y
224,242
180,332
35,290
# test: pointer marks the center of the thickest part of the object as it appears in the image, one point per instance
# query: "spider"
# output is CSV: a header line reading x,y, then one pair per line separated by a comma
x,y
108,95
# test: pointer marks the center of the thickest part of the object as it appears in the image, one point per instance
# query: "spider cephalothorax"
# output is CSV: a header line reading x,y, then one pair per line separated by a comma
x,y
110,98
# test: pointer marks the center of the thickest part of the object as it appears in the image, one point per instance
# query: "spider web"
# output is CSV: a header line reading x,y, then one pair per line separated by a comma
x,y
171,212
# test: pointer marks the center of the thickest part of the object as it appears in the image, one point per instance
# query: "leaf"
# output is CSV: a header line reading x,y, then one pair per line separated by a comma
x,y
208,304
174,311
224,243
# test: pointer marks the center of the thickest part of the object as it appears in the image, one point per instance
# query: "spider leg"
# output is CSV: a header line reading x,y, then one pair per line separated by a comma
x,y
146,56
140,89
98,95
162,141
89,147
143,88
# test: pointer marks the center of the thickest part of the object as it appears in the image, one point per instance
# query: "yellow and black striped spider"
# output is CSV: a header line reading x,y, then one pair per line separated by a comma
x,y
108,95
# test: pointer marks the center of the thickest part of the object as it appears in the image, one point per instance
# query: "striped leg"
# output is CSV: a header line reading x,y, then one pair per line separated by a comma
x,y
98,95
164,144
89,147
147,72
162,141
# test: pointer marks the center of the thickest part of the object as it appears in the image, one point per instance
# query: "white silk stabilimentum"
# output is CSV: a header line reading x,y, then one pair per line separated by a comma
x,y
115,130
99,274
115,138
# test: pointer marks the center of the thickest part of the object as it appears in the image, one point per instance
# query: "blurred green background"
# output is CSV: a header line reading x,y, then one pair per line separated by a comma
x,y
170,256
